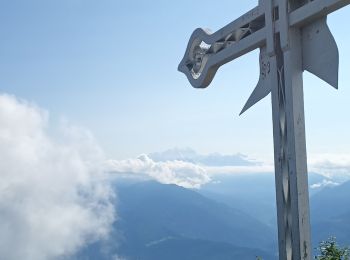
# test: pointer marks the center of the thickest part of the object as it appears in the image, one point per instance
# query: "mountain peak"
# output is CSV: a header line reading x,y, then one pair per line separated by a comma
x,y
212,159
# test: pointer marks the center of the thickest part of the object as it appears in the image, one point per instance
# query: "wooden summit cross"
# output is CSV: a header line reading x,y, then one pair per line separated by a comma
x,y
293,36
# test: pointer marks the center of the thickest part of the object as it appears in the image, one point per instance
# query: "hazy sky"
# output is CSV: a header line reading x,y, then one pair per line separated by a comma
x,y
111,66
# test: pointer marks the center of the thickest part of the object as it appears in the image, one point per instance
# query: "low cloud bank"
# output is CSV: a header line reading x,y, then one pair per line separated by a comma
x,y
53,200
335,169
324,183
333,166
236,170
185,174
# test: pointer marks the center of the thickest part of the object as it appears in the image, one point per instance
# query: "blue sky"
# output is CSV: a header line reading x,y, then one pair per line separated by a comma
x,y
111,66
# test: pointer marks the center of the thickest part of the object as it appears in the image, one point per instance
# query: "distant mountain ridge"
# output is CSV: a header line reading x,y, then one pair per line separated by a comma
x,y
330,213
158,221
213,159
178,212
191,249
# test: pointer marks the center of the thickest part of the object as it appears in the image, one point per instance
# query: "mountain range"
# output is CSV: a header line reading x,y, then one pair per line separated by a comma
x,y
233,217
156,215
213,159
330,213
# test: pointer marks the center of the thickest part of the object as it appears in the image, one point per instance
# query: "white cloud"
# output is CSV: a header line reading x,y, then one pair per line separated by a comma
x,y
324,183
334,166
181,173
191,174
262,168
52,197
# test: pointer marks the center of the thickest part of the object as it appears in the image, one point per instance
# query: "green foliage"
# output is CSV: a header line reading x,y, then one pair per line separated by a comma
x,y
330,250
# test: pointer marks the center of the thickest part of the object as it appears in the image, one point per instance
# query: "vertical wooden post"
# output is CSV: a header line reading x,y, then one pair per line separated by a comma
x,y
291,177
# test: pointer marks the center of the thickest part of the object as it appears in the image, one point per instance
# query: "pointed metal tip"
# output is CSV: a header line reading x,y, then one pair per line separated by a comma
x,y
335,85
320,52
243,110
260,91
